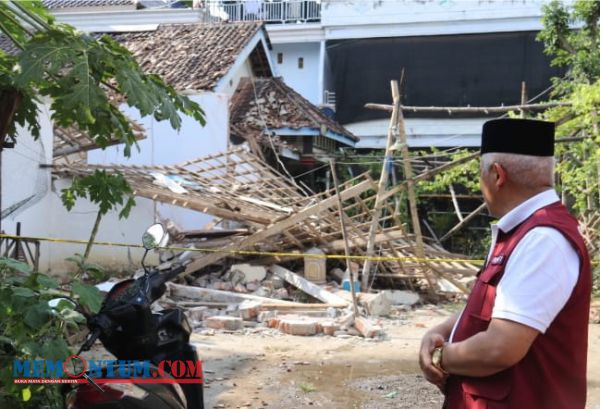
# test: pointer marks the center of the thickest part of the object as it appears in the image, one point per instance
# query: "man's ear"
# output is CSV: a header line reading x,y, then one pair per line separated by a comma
x,y
501,175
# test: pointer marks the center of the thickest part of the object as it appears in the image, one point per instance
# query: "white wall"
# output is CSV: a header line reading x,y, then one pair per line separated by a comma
x,y
306,80
45,216
391,18
421,132
164,146
244,71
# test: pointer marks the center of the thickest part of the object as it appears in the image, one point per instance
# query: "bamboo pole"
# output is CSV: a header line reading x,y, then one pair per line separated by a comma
x,y
463,222
455,204
344,236
410,187
458,110
523,97
383,179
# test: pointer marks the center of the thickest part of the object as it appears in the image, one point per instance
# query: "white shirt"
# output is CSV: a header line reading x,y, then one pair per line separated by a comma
x,y
541,272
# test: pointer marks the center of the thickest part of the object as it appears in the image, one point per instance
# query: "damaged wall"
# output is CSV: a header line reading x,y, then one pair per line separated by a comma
x,y
32,199
163,146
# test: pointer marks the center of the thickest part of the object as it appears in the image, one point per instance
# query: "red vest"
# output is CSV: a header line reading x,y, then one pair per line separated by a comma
x,y
553,373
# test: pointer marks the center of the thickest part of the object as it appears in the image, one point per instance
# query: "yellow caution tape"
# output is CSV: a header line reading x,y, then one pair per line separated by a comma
x,y
263,253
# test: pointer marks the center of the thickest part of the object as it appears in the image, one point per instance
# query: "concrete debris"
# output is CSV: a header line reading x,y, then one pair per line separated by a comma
x,y
249,309
400,297
367,328
249,273
307,286
375,304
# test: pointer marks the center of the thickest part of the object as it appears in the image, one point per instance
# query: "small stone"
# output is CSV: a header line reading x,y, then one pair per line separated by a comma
x,y
240,288
281,293
222,285
278,282
262,292
252,286
196,313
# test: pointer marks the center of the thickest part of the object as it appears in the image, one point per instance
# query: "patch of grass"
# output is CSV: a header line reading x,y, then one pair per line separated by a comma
x,y
307,387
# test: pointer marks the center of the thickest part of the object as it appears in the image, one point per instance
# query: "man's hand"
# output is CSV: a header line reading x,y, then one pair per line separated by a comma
x,y
430,341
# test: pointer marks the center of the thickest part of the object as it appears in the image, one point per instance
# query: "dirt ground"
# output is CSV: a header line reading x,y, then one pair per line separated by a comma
x,y
266,369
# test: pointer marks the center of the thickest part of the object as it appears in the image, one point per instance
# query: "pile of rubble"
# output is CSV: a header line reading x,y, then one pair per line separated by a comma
x,y
266,219
267,297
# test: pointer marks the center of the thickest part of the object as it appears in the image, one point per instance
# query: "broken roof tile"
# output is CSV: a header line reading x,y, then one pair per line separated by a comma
x,y
190,56
275,105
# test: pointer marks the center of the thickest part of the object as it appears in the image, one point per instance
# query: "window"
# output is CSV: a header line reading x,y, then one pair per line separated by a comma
x,y
301,62
279,58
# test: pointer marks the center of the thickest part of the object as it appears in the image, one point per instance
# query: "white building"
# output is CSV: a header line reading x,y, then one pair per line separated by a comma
x,y
205,62
453,52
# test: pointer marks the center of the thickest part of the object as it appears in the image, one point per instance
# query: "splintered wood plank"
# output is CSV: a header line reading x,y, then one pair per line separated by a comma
x,y
307,286
278,227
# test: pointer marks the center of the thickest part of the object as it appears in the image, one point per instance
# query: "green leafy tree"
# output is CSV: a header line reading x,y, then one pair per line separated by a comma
x,y
30,328
108,191
82,75
570,36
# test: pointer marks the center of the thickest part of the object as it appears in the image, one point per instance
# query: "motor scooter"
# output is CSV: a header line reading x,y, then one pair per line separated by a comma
x,y
130,330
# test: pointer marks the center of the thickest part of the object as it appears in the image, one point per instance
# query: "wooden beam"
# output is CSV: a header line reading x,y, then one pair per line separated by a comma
x,y
308,287
343,215
463,222
209,295
383,179
412,199
430,173
456,110
278,227
455,203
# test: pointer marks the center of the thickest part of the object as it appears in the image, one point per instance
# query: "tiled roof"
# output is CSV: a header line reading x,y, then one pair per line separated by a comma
x,y
190,56
280,107
71,140
7,45
70,4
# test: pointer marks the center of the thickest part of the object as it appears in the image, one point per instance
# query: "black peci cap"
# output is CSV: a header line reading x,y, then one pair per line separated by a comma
x,y
521,136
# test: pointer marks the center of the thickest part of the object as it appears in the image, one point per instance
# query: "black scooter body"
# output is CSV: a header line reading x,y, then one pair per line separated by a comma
x,y
130,330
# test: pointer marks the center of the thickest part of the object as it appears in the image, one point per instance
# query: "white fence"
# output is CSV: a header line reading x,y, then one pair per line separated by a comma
x,y
276,11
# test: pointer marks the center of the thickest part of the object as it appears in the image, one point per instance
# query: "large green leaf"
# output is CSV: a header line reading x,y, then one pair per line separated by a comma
x,y
23,292
89,296
37,315
55,349
46,281
15,265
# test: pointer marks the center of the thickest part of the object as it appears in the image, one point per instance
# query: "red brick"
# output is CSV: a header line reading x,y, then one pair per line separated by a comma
x,y
224,322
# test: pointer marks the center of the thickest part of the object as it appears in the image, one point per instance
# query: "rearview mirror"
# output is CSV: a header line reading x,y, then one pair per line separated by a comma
x,y
155,236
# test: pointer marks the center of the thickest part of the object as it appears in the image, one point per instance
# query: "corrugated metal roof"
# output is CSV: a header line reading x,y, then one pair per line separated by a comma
x,y
69,4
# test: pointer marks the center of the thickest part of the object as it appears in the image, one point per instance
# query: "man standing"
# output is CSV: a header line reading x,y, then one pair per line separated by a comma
x,y
521,340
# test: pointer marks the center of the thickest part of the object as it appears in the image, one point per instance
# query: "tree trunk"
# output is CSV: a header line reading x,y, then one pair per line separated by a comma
x,y
88,248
